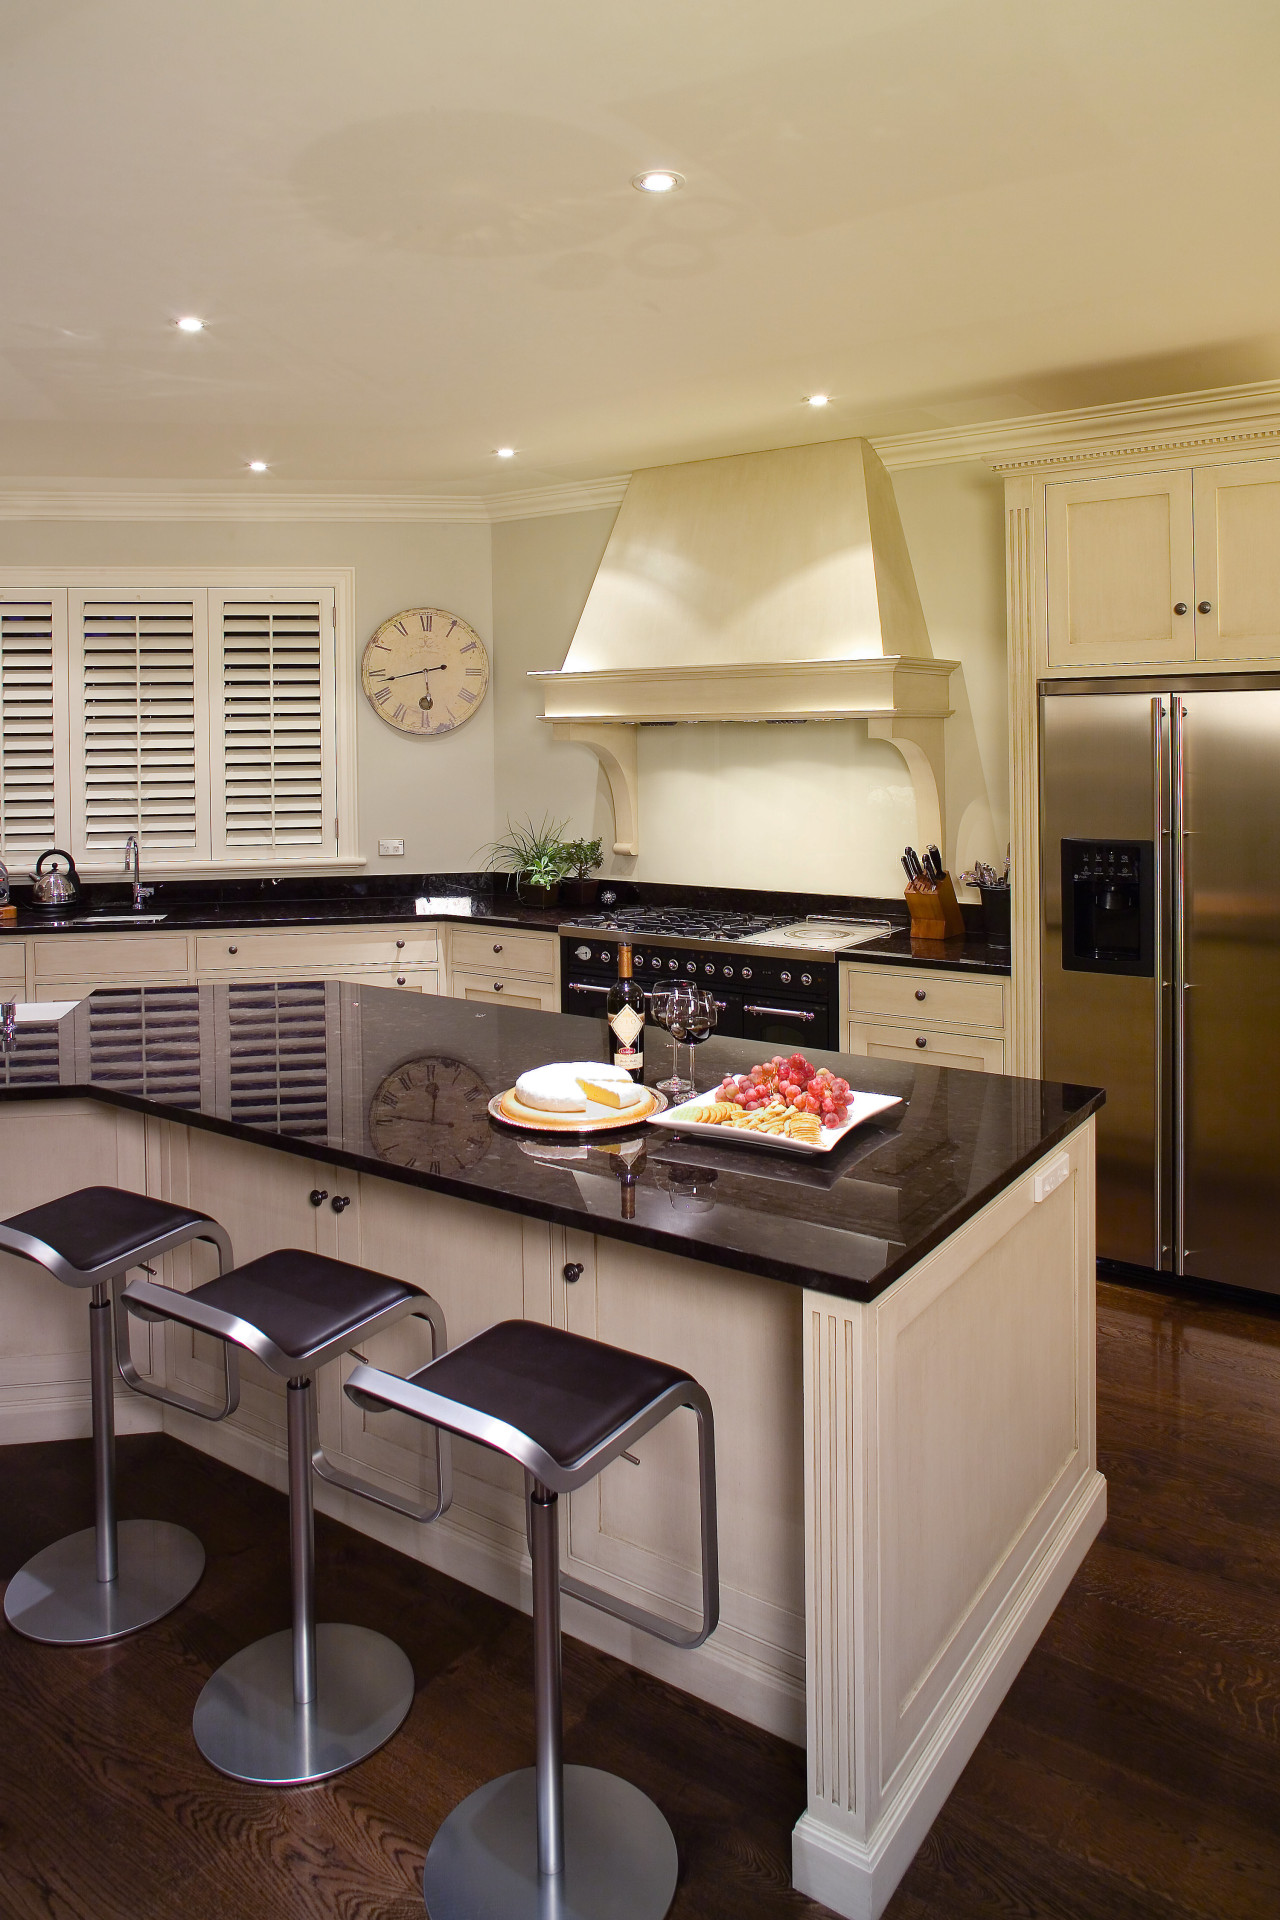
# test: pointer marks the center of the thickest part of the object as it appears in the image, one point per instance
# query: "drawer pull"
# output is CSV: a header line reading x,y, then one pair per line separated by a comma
x,y
572,1271
920,993
233,949
340,1202
921,1041
399,943
399,979
497,986
497,946
318,1196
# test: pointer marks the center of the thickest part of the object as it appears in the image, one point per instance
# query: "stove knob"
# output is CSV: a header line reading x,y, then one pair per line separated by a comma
x,y
583,953
691,966
656,961
785,979
806,979
710,967
605,955
727,972
746,973
673,966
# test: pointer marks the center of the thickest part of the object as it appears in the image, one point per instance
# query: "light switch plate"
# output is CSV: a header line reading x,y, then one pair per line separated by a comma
x,y
388,849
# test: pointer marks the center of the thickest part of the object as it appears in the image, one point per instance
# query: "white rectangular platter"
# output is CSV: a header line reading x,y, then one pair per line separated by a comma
x,y
862,1107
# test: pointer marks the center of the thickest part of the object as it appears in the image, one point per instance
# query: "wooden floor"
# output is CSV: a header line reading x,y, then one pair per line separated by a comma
x,y
1132,1773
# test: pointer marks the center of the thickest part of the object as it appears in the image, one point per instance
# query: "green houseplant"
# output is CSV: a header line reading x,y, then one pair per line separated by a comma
x,y
536,857
582,857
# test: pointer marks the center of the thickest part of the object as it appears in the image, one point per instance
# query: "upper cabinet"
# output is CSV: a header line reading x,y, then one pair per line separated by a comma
x,y
1165,568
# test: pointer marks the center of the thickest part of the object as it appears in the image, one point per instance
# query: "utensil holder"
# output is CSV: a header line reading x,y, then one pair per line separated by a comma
x,y
935,912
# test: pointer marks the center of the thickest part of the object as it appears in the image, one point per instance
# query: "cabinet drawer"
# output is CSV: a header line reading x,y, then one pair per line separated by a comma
x,y
13,963
104,957
511,990
911,995
927,1045
413,980
314,950
531,953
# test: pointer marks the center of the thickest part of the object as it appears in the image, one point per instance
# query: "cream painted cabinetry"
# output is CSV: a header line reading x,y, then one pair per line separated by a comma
x,y
494,963
904,1013
1165,568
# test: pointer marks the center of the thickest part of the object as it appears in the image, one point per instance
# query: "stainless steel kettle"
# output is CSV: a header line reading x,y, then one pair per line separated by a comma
x,y
55,888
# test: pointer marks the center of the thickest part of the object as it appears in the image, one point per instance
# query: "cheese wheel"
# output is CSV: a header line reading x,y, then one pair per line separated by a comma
x,y
555,1088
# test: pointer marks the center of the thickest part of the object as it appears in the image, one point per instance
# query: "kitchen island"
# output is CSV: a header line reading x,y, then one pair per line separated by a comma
x,y
898,1343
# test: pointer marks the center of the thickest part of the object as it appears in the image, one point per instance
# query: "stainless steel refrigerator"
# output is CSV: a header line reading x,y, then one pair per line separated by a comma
x,y
1160,873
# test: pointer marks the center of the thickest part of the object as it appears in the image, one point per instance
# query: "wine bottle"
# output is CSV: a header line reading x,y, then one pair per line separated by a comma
x,y
625,1012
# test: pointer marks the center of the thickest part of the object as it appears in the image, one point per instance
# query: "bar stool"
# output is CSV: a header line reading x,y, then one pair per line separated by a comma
x,y
555,1842
311,1700
117,1575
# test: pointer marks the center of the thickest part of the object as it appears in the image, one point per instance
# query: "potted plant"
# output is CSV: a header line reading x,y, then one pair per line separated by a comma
x,y
582,857
534,856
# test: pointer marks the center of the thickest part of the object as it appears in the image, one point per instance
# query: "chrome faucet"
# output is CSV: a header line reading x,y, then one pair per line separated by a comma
x,y
140,893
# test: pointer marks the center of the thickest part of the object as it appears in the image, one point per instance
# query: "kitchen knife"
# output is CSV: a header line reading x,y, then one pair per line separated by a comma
x,y
917,871
906,867
933,860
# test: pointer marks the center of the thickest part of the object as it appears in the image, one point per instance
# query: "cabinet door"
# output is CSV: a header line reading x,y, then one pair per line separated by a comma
x,y
505,987
1238,561
933,1045
1119,563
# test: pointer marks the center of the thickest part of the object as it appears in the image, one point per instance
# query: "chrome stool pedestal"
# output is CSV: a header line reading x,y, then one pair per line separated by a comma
x,y
311,1700
552,1842
117,1575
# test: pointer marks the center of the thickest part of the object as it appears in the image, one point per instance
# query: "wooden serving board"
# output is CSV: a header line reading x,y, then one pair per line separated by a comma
x,y
597,1119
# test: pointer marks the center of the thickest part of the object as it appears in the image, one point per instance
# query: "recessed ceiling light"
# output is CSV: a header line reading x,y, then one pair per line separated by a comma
x,y
505,453
817,399
658,180
189,323
257,466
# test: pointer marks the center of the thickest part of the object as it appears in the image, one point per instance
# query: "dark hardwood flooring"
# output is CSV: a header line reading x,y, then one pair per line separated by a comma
x,y
1131,1774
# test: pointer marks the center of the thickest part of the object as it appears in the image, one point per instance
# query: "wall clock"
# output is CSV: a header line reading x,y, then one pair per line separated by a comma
x,y
431,1114
425,671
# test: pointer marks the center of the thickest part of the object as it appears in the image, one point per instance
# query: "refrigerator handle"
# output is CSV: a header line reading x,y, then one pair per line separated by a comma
x,y
1178,850
1160,826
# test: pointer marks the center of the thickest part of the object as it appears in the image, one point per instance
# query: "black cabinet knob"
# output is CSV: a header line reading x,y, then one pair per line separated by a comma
x,y
497,986
318,1196
1181,607
399,979
921,994
573,1271
1205,606
340,1202
921,1041
497,946
233,949
399,943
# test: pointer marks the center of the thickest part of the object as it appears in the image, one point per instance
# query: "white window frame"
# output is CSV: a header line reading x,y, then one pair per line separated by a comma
x,y
63,584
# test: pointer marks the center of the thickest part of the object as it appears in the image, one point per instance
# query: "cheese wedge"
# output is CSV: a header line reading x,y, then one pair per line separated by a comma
x,y
557,1088
613,1093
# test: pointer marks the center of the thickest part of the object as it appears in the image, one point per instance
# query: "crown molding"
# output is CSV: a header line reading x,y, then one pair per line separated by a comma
x,y
1223,417
85,501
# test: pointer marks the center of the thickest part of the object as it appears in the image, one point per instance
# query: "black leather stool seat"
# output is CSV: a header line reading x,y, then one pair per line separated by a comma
x,y
566,1392
101,1226
303,1301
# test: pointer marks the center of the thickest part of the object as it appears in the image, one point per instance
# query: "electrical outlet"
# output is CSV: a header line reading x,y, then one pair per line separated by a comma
x,y
388,849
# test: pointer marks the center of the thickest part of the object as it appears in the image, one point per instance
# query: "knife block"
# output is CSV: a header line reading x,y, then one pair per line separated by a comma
x,y
935,912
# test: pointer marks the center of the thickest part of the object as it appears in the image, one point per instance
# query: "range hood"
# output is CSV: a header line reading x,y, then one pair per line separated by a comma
x,y
762,587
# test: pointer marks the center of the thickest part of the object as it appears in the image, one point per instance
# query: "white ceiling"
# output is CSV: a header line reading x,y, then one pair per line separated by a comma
x,y
411,227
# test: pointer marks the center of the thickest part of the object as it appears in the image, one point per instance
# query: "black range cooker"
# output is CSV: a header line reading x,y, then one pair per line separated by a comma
x,y
787,1001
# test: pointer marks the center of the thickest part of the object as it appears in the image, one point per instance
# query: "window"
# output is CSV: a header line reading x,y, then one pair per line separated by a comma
x,y
204,717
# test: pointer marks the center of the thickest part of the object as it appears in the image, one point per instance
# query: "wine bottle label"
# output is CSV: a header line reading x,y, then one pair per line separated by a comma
x,y
627,1025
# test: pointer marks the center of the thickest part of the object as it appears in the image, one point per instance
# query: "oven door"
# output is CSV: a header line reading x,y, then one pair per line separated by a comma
x,y
589,996
778,1021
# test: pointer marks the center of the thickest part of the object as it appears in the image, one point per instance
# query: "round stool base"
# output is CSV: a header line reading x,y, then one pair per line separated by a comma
x,y
248,1725
620,1854
58,1598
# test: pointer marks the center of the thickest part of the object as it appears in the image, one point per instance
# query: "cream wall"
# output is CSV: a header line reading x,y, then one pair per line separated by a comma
x,y
435,795
818,807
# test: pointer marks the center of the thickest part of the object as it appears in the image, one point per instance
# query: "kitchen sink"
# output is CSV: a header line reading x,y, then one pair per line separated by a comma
x,y
108,920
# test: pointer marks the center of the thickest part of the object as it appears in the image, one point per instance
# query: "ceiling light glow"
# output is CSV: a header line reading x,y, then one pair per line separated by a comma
x,y
257,466
658,180
817,399
189,323
505,453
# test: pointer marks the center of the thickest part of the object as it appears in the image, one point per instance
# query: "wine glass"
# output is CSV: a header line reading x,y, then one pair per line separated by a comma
x,y
693,1017
660,1012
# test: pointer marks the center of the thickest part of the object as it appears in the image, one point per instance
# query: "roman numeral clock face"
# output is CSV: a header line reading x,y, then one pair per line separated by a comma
x,y
425,671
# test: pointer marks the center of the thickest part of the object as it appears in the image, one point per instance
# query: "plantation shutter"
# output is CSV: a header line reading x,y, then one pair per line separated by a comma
x,y
33,784
143,1040
273,703
273,1058
138,723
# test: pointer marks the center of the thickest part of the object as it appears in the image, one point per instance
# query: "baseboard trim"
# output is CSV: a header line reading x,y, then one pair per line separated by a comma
x,y
857,1878
68,1417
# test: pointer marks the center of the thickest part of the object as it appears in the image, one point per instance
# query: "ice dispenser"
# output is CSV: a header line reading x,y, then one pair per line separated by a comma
x,y
1108,906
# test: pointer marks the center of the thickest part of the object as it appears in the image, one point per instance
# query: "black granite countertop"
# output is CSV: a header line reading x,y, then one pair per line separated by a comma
x,y
398,1085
